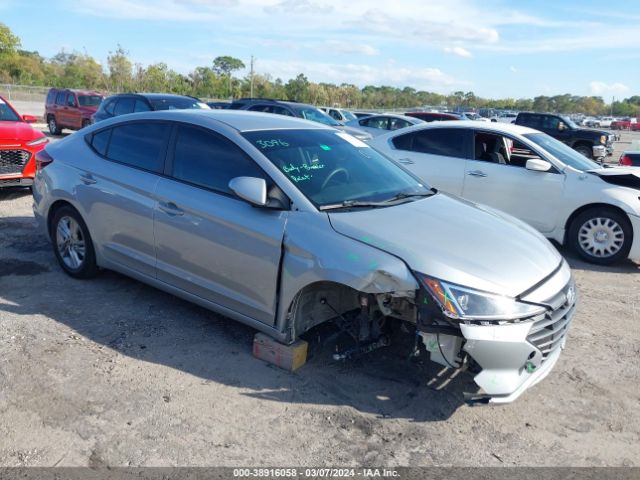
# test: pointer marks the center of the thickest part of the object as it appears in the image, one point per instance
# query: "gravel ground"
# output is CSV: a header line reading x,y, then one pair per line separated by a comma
x,y
113,372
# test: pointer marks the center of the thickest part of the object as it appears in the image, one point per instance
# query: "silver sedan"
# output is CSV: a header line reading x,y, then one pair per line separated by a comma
x,y
284,224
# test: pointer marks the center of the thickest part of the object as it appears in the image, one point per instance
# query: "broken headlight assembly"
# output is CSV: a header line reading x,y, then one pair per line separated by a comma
x,y
463,304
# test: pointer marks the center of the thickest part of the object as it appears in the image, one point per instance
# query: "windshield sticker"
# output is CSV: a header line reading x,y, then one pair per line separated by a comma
x,y
264,144
352,140
297,172
326,148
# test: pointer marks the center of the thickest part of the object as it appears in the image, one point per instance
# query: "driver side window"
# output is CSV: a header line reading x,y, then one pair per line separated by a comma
x,y
502,150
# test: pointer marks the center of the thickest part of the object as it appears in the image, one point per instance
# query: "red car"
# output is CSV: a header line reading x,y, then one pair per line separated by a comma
x,y
68,108
19,143
622,124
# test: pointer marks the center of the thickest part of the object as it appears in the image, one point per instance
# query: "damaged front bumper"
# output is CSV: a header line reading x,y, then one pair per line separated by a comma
x,y
515,357
508,356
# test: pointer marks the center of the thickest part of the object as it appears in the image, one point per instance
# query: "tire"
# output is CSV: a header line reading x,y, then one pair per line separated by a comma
x,y
85,123
601,235
584,150
54,128
72,244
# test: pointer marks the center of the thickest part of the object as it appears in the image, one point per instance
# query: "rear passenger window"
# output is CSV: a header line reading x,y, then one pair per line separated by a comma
x,y
404,142
108,106
139,145
449,142
60,98
208,160
124,106
141,106
100,141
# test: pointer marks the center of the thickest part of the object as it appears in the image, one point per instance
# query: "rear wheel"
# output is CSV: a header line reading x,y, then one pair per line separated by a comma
x,y
72,244
54,128
601,235
584,150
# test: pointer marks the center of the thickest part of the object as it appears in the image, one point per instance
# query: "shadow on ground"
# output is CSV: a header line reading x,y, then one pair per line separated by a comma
x,y
146,324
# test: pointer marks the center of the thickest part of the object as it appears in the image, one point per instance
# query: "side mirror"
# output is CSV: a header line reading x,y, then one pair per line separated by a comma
x,y
538,165
29,118
251,189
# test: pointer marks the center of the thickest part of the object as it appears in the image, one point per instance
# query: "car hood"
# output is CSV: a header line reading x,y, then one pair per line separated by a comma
x,y
21,131
622,176
456,241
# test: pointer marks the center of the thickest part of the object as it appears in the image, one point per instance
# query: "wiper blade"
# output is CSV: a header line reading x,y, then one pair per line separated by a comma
x,y
384,203
403,195
351,204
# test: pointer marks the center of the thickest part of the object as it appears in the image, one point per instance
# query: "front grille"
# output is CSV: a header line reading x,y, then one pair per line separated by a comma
x,y
13,161
548,332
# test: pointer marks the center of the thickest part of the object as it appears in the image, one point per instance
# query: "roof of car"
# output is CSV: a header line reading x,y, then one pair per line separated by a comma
x,y
497,127
240,120
392,115
75,90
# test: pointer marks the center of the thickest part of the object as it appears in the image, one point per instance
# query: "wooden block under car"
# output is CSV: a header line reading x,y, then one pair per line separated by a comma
x,y
289,357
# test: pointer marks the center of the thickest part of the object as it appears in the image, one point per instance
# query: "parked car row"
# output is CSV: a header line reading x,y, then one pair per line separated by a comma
x,y
285,224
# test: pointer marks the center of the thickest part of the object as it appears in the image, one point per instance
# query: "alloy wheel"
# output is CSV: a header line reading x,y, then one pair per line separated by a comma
x,y
70,243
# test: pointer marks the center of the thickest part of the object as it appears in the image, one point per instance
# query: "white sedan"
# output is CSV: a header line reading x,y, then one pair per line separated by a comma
x,y
381,124
530,175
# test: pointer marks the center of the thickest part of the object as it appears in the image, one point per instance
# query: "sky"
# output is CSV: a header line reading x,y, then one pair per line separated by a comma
x,y
495,48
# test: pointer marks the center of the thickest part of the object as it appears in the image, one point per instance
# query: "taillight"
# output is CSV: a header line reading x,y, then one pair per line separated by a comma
x,y
43,159
625,160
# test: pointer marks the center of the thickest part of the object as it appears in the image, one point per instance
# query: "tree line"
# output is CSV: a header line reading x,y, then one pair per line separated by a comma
x,y
217,81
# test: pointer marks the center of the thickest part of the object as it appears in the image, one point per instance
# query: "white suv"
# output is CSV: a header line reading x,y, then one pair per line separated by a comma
x,y
531,176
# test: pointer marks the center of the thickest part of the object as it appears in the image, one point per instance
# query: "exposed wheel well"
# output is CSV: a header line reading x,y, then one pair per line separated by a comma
x,y
590,206
49,115
308,310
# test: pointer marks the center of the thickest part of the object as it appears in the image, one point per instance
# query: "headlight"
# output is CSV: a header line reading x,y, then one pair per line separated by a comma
x,y
38,141
603,139
462,303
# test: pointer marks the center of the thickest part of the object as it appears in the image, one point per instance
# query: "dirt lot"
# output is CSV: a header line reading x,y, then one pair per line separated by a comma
x,y
112,372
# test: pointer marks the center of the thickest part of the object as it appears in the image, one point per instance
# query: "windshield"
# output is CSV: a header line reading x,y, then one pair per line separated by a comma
x,y
562,152
177,103
348,115
331,167
7,114
89,100
317,115
569,122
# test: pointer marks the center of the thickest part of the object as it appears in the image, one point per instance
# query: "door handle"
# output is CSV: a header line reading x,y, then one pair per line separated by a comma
x,y
171,209
87,179
406,161
477,173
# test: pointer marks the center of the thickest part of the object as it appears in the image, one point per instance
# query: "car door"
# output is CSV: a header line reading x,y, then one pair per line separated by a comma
x,y
209,242
73,117
376,125
436,155
556,128
117,186
497,176
60,109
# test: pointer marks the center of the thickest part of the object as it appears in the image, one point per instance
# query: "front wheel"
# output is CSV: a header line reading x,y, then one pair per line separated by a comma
x,y
72,244
601,235
54,128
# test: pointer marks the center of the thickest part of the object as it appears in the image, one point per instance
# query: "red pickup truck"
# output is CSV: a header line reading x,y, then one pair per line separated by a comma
x,y
624,124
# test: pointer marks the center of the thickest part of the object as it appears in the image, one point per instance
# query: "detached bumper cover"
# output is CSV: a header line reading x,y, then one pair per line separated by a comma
x,y
516,356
